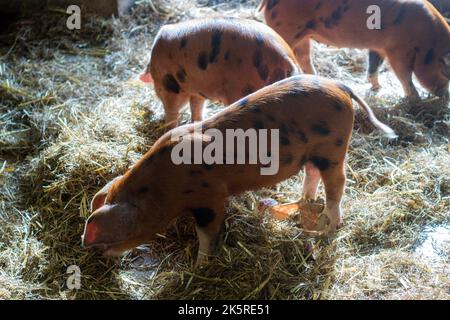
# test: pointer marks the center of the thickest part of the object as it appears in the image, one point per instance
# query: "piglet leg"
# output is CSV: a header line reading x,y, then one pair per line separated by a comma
x,y
402,64
334,182
209,223
302,51
172,103
196,108
375,61
311,182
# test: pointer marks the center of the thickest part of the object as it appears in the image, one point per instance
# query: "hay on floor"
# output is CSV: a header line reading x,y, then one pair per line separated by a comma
x,y
73,116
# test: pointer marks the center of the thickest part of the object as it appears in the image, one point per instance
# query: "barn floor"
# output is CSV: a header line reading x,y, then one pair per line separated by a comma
x,y
73,116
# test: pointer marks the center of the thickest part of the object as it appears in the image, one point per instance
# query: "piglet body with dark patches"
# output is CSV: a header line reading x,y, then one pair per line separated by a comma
x,y
413,36
313,134
217,59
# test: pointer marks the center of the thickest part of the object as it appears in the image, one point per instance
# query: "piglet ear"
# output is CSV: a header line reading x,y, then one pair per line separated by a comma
x,y
146,78
99,199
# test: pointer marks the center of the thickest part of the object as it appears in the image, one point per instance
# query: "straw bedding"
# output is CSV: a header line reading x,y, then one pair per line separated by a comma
x,y
73,116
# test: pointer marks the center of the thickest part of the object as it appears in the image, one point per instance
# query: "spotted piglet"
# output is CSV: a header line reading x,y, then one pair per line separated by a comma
x,y
221,59
411,34
310,120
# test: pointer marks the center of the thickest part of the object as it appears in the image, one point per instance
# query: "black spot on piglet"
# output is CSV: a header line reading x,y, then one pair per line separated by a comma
x,y
257,58
302,136
216,40
203,216
271,4
400,16
171,84
321,163
226,55
202,60
181,74
263,72
259,40
259,125
183,43
429,56
321,128
311,24
284,140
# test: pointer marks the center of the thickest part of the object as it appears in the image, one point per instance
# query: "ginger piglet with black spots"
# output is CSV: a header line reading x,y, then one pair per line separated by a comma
x,y
220,59
313,118
412,35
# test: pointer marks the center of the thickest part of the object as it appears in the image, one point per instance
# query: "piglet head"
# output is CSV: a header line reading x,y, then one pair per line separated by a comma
x,y
438,84
113,227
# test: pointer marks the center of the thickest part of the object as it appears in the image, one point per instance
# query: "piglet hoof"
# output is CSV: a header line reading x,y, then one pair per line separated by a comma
x,y
375,87
327,232
314,234
202,259
373,80
413,98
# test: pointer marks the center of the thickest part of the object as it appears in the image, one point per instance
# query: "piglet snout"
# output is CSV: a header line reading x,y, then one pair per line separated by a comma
x,y
90,233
